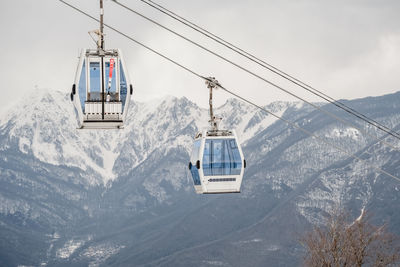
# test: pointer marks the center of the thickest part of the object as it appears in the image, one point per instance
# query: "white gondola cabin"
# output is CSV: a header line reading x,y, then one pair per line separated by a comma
x,y
216,163
102,90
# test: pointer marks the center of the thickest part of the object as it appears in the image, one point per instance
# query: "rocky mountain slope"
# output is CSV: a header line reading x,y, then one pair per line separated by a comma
x,y
125,197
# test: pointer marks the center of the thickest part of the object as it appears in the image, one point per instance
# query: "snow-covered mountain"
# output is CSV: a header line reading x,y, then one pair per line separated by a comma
x,y
125,197
44,126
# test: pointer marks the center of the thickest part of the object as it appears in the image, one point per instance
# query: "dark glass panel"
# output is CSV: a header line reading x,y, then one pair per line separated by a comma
x,y
221,157
123,85
195,175
95,83
82,86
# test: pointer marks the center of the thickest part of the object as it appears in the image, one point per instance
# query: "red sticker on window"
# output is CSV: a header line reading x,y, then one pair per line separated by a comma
x,y
111,67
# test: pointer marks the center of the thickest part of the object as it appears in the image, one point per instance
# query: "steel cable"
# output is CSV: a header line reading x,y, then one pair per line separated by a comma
x,y
259,77
270,67
232,93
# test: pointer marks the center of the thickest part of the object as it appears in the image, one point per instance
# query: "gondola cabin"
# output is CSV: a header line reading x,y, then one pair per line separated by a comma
x,y
217,163
102,90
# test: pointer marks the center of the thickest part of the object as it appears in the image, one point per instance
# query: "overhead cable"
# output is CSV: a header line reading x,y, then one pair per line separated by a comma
x,y
270,67
231,92
330,114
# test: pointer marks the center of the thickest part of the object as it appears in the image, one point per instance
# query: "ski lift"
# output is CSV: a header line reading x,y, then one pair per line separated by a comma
x,y
102,89
216,163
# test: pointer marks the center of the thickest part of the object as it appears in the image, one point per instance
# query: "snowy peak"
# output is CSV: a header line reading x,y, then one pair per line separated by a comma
x,y
248,120
44,125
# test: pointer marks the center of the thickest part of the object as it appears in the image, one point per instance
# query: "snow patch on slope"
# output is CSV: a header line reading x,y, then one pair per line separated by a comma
x,y
100,253
344,132
69,248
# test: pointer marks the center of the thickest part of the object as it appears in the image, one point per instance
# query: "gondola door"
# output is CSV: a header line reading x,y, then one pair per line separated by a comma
x,y
94,108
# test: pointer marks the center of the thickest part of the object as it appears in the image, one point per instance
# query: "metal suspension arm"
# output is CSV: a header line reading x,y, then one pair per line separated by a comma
x,y
101,25
211,84
101,53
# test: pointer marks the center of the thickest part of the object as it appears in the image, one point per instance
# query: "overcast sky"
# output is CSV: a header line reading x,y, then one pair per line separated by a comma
x,y
347,49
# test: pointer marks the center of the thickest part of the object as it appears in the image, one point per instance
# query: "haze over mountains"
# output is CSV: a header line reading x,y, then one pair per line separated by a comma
x,y
125,197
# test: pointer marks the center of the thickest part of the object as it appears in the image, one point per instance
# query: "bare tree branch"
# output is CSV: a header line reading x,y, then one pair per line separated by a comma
x,y
340,242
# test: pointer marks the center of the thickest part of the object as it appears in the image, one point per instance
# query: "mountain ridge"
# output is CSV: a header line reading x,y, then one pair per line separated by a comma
x,y
122,198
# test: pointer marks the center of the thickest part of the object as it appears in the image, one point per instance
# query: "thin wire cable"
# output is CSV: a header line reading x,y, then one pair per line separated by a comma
x,y
330,114
306,131
270,67
230,92
133,40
